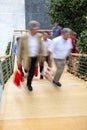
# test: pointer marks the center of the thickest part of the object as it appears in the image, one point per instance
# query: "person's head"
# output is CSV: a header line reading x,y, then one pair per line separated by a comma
x,y
33,26
56,24
66,33
17,39
45,35
73,34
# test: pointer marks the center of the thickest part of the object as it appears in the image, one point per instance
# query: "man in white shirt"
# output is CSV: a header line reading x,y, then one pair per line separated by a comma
x,y
60,49
46,43
30,51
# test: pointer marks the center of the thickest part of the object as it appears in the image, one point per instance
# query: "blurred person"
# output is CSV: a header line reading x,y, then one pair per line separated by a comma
x,y
46,42
74,40
15,47
30,51
73,50
60,49
56,30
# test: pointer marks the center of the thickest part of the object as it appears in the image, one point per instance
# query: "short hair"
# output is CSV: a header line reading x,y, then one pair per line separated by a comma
x,y
73,33
56,23
46,32
66,30
33,24
17,38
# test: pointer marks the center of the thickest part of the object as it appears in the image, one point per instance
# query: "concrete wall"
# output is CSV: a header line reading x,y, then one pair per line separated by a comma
x,y
36,10
12,16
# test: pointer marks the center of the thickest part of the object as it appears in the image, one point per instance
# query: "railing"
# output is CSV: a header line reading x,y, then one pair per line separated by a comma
x,y
78,65
6,66
6,69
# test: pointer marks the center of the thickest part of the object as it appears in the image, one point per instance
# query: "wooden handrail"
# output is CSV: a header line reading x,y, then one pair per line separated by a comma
x,y
28,30
78,54
4,56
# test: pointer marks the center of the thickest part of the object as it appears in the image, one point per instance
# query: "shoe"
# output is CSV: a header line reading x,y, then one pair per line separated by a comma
x,y
41,76
30,88
57,83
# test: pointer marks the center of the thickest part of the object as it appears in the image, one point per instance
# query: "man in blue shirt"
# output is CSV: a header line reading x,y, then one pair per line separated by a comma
x,y
16,46
56,30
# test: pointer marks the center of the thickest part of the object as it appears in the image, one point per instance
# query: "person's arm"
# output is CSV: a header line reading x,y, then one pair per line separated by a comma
x,y
50,49
19,54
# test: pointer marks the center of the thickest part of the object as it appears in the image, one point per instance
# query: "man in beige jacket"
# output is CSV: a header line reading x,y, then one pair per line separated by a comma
x,y
30,51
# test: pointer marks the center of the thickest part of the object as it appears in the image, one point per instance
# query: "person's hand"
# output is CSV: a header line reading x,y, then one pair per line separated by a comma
x,y
21,71
19,67
25,71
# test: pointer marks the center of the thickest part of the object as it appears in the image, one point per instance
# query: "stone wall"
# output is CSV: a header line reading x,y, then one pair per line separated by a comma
x,y
36,10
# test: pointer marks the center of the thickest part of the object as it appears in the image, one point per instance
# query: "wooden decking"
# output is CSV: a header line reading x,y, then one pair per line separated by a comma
x,y
47,107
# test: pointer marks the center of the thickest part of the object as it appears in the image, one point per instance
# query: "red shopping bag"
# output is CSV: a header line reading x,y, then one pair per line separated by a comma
x,y
17,77
48,73
36,72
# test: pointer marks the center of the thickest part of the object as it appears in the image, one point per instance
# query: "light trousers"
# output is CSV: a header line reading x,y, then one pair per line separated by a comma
x,y
60,64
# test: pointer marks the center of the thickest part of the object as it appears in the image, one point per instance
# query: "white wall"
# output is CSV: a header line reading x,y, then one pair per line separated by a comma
x,y
12,16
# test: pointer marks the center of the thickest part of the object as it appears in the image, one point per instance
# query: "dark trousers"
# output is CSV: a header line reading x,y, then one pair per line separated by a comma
x,y
42,63
31,70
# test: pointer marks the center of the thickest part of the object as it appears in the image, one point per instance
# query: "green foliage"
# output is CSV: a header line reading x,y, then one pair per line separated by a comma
x,y
8,48
69,13
82,42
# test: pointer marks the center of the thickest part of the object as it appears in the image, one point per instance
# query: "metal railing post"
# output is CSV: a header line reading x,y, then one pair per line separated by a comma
x,y
1,76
